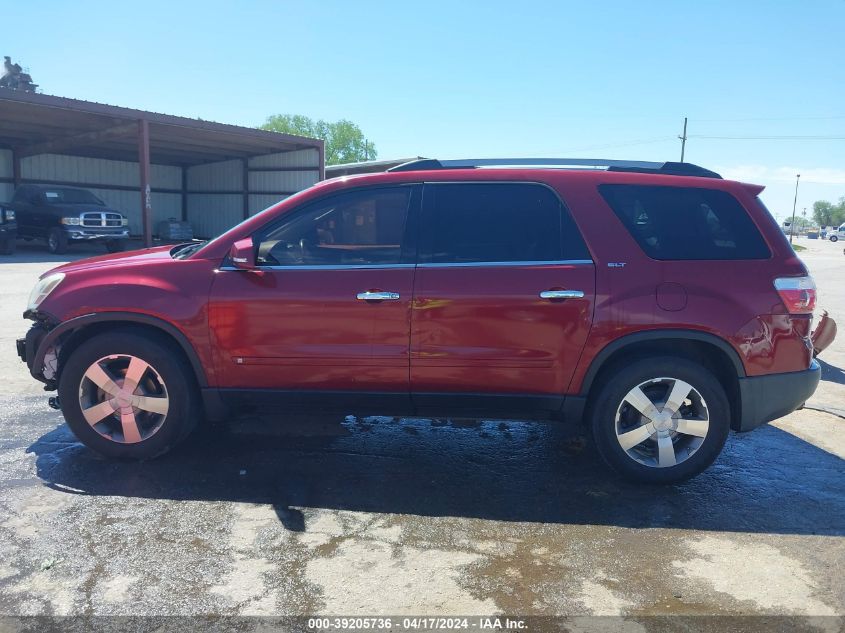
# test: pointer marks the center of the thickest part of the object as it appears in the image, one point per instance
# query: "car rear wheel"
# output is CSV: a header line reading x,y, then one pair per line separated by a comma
x,y
57,242
833,238
660,420
127,395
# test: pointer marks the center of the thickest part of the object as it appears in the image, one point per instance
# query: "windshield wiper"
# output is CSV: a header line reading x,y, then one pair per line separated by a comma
x,y
181,252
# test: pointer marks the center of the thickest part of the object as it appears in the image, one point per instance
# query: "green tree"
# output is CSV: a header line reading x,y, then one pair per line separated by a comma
x,y
828,214
823,212
345,142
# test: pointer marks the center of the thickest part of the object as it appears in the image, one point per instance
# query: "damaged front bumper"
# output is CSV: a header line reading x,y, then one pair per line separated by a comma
x,y
42,360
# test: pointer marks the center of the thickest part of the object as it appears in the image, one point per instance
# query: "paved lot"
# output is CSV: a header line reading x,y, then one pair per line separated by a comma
x,y
389,516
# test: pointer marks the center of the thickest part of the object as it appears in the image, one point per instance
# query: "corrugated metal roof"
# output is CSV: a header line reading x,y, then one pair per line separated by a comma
x,y
33,123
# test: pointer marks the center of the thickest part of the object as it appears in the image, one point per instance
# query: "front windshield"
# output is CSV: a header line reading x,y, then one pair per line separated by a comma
x,y
61,195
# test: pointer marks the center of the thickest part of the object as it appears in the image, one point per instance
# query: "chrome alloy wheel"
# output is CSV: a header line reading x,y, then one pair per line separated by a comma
x,y
123,398
662,422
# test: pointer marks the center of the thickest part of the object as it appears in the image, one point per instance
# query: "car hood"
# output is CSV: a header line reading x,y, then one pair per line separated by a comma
x,y
147,255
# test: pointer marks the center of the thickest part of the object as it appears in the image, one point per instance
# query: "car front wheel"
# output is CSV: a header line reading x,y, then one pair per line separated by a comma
x,y
833,238
660,420
114,246
57,242
126,395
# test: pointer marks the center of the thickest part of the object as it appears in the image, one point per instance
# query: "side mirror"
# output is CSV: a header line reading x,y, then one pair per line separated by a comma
x,y
242,254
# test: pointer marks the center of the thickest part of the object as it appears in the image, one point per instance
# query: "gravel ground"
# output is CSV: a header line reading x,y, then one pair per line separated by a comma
x,y
416,516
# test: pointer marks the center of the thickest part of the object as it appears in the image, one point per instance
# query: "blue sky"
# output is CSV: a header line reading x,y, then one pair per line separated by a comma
x,y
462,78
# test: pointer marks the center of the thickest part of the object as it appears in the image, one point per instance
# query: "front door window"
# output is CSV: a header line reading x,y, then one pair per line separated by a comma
x,y
352,229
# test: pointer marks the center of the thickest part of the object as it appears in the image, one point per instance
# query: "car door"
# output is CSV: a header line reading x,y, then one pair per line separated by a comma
x,y
327,310
503,296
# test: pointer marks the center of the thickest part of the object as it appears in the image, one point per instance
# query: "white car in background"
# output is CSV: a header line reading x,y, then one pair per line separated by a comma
x,y
834,235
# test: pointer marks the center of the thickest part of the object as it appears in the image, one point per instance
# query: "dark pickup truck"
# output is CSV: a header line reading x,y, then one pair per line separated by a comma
x,y
63,215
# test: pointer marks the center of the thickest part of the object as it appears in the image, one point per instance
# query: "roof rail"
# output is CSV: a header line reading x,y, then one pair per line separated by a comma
x,y
637,166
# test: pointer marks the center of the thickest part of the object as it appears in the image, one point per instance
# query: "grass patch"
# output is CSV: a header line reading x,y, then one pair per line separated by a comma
x,y
798,248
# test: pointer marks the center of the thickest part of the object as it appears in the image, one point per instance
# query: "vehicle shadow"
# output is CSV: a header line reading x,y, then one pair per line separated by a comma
x,y
767,481
831,373
36,253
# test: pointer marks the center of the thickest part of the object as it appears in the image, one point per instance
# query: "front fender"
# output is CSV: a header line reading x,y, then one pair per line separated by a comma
x,y
147,288
45,341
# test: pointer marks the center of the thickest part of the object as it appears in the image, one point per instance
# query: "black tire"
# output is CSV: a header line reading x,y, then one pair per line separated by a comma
x,y
114,246
612,392
184,410
57,241
7,246
833,238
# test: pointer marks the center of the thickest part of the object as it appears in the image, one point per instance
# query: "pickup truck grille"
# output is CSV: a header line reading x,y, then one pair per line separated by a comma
x,y
102,219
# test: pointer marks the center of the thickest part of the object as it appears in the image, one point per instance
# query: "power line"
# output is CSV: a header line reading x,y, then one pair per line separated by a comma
x,y
659,139
783,118
770,138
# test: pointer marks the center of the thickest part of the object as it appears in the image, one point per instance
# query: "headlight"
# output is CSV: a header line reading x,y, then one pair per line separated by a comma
x,y
10,215
43,288
71,221
124,221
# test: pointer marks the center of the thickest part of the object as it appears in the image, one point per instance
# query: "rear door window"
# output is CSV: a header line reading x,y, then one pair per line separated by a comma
x,y
686,223
466,223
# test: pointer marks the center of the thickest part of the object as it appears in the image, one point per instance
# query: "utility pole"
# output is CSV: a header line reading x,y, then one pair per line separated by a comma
x,y
683,140
794,202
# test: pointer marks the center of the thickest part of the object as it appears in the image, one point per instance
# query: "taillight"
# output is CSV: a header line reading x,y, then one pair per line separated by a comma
x,y
797,293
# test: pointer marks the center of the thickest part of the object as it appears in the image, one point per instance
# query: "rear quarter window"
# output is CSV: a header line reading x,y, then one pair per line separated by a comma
x,y
686,223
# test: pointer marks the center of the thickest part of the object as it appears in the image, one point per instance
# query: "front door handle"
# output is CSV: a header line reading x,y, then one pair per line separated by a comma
x,y
377,295
562,294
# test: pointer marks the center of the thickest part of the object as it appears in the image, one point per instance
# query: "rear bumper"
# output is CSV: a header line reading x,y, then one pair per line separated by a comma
x,y
767,398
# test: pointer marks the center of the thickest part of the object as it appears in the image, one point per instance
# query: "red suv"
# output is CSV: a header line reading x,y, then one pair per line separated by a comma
x,y
653,302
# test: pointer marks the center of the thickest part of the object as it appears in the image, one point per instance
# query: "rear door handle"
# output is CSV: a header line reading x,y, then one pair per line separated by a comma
x,y
562,294
377,295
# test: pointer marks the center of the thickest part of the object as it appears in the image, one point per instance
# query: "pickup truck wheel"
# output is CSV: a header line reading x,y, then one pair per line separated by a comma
x,y
57,242
126,395
7,246
114,246
833,238
660,420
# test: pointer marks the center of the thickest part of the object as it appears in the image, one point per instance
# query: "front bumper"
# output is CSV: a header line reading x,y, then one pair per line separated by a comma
x,y
81,235
767,398
28,346
42,366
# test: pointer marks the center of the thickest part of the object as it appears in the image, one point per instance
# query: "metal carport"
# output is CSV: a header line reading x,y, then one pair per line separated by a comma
x,y
211,174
